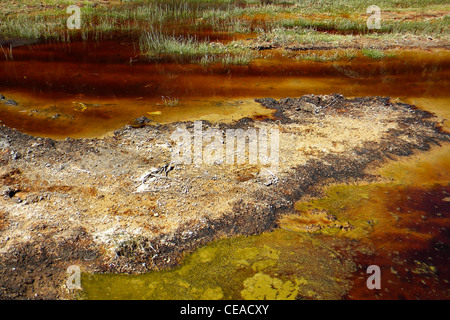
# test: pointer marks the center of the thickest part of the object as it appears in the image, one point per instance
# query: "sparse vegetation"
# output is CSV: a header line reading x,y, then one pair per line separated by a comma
x,y
155,44
323,57
372,53
377,54
7,53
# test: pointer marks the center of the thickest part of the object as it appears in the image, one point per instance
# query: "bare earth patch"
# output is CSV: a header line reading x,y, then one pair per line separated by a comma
x,y
118,204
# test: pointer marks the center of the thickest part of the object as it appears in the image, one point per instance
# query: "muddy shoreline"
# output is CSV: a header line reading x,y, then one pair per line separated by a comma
x,y
81,201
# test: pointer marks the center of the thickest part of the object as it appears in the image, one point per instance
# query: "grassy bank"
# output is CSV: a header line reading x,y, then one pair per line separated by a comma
x,y
170,27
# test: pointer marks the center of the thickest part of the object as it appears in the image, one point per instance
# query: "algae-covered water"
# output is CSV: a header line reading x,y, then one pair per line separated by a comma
x,y
399,223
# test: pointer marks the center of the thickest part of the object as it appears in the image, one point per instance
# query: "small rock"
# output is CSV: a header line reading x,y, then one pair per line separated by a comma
x,y
446,199
10,102
2,97
141,121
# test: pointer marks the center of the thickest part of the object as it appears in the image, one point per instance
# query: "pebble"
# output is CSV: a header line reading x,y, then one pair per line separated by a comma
x,y
15,155
10,102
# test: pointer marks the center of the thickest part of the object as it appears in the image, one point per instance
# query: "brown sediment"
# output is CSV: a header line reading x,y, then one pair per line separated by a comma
x,y
135,224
